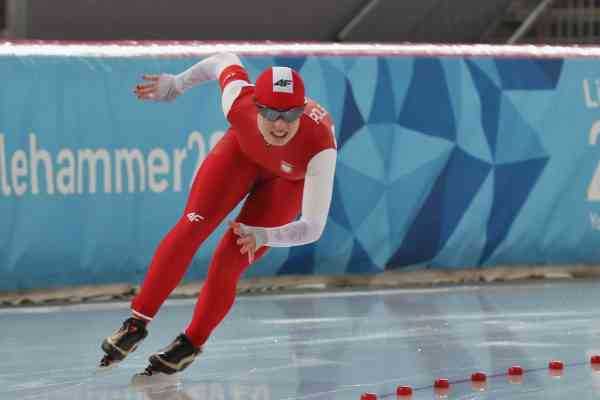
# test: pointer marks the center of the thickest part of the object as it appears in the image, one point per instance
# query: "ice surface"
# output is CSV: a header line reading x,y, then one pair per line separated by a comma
x,y
324,346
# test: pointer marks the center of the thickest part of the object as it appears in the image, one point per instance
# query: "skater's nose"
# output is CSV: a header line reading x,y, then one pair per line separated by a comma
x,y
280,124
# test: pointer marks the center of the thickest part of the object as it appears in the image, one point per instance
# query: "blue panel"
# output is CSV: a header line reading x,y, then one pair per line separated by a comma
x,y
428,88
527,74
316,88
300,261
517,140
488,67
470,133
412,150
255,65
348,62
334,62
364,77
552,69
513,183
384,136
455,74
407,194
450,197
534,107
418,138
359,193
292,62
465,246
337,212
401,70
333,249
375,233
463,178
335,86
361,262
384,107
352,120
489,96
362,154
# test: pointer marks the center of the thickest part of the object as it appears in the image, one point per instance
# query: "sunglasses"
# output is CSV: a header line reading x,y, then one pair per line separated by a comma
x,y
273,115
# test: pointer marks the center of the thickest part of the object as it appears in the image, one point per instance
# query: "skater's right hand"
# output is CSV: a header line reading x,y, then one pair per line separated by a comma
x,y
157,88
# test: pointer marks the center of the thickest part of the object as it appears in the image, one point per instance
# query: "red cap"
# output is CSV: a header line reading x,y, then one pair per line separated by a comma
x,y
280,88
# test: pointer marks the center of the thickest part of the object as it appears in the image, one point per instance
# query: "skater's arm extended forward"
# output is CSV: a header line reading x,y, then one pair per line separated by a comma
x,y
166,87
316,199
209,69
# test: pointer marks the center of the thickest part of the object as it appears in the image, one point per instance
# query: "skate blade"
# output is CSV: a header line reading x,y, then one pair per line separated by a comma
x,y
106,366
155,381
103,369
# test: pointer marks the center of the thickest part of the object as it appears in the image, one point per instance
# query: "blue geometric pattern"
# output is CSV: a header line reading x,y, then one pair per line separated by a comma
x,y
532,75
412,165
513,182
442,162
352,119
428,85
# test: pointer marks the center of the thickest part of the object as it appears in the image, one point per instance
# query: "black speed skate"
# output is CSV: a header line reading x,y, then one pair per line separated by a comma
x,y
124,341
175,358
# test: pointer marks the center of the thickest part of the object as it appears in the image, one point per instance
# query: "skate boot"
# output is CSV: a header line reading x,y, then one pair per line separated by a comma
x,y
123,341
175,358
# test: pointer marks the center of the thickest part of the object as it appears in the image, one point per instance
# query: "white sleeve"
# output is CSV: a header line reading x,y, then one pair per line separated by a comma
x,y
206,70
316,199
231,93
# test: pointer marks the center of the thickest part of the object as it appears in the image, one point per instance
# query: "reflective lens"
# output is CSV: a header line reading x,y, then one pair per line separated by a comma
x,y
287,115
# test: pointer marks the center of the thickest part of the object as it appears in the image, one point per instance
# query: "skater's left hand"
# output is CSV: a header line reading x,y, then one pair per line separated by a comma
x,y
250,238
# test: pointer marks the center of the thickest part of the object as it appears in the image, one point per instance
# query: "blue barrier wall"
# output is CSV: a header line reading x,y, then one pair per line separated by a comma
x,y
444,162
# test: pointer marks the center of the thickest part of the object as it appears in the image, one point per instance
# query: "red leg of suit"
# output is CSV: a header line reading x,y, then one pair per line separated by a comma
x,y
222,181
271,203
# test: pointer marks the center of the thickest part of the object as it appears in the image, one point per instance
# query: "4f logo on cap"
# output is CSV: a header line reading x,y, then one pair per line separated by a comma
x,y
282,80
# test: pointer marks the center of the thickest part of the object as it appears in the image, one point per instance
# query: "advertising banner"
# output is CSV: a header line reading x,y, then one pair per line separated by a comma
x,y
444,162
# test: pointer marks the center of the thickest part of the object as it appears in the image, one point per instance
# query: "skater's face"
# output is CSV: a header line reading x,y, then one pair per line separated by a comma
x,y
278,132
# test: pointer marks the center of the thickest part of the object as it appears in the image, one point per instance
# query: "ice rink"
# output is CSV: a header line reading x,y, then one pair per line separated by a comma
x,y
325,346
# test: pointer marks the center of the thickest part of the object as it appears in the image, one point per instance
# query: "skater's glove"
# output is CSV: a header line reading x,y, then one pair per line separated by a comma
x,y
163,87
259,234
251,238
